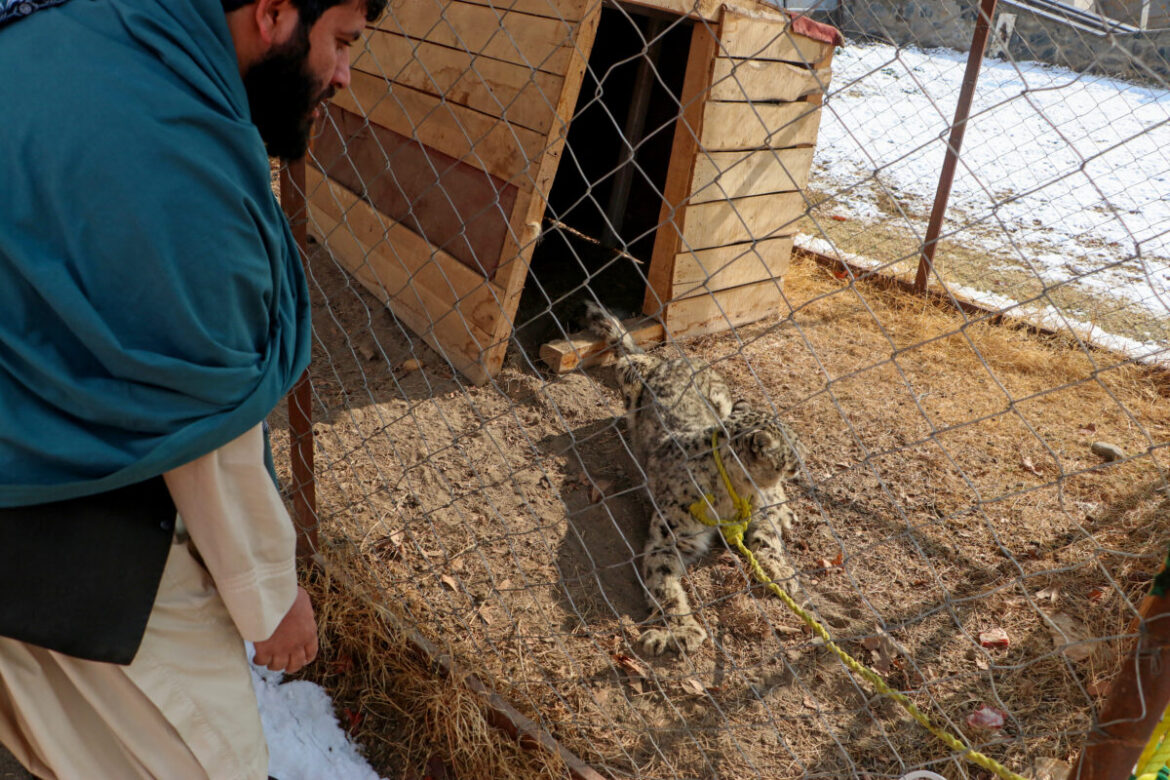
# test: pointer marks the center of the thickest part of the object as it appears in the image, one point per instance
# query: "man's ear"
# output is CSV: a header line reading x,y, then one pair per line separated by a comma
x,y
275,20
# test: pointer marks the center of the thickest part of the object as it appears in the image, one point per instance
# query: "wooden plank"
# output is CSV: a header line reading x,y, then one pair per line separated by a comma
x,y
680,174
487,142
765,80
530,205
731,266
719,311
724,222
567,10
522,96
454,206
722,175
730,126
532,41
450,337
754,36
434,293
584,349
694,9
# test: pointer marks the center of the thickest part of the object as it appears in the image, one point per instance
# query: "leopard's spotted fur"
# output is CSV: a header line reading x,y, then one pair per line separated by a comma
x,y
673,406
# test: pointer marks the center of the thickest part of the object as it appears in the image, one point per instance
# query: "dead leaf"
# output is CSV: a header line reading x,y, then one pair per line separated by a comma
x,y
1098,687
986,717
450,582
808,702
994,637
1048,594
982,663
1090,428
838,218
1070,636
1026,462
691,685
1098,594
881,648
825,563
1052,769
391,544
635,671
366,348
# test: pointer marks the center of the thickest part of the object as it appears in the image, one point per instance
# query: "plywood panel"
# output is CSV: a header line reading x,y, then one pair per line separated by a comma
x,y
730,126
454,206
523,96
694,9
720,223
398,265
532,41
765,80
721,310
752,36
730,266
722,175
478,139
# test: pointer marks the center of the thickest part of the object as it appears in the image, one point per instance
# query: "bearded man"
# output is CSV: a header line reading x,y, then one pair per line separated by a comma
x,y
154,312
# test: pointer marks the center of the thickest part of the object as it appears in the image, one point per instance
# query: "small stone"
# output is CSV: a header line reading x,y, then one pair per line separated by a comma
x,y
410,364
1110,452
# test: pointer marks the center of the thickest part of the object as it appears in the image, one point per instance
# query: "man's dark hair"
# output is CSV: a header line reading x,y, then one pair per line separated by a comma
x,y
310,11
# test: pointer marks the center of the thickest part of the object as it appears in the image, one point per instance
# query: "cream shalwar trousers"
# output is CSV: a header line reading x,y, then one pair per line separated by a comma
x,y
184,708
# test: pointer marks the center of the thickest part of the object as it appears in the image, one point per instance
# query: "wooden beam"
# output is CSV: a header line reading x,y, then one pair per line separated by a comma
x,y
565,10
765,80
730,266
732,126
723,222
455,206
521,95
485,141
535,42
680,175
582,350
718,311
754,36
723,175
530,205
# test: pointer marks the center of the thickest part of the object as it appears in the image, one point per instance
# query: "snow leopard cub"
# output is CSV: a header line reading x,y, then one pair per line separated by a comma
x,y
673,409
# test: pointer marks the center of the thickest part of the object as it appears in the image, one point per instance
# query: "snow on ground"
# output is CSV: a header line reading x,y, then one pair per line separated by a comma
x,y
1062,173
305,741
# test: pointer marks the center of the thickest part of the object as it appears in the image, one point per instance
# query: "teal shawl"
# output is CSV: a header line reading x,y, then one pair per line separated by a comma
x,y
152,302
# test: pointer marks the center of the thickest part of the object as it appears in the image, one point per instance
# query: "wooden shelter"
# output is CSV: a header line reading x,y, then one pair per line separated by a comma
x,y
431,178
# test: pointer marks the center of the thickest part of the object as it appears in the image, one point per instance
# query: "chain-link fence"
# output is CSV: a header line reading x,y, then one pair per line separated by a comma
x,y
981,489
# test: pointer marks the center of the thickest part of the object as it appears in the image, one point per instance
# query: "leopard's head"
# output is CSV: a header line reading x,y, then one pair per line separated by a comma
x,y
768,453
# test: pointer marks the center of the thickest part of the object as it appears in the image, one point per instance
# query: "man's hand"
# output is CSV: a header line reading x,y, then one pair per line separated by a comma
x,y
293,644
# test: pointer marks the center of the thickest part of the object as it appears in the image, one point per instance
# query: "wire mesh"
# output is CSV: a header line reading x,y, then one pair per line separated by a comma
x,y
981,490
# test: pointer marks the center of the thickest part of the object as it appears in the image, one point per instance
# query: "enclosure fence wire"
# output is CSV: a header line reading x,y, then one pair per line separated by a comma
x,y
980,492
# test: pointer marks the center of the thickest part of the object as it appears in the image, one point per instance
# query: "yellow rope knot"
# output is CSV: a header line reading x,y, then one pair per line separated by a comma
x,y
733,531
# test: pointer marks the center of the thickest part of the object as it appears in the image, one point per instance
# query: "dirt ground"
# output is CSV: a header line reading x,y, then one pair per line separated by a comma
x,y
949,491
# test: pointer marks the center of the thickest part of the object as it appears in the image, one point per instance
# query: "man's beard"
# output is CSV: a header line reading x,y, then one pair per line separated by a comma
x,y
282,94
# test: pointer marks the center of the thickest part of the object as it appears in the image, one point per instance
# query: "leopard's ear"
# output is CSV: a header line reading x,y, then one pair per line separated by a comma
x,y
741,407
763,441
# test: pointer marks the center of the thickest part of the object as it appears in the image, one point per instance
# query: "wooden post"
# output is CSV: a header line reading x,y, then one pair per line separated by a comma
x,y
1135,702
962,111
300,401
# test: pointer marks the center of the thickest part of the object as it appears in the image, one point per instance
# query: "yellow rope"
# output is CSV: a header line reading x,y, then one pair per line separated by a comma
x,y
733,531
1156,755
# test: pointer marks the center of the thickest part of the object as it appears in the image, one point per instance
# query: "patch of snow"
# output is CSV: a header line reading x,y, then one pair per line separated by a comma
x,y
305,741
1066,172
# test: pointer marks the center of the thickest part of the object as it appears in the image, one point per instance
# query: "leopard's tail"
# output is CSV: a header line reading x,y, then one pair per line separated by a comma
x,y
603,324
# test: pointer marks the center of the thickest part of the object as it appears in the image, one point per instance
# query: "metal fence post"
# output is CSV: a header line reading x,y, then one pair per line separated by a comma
x,y
300,411
954,144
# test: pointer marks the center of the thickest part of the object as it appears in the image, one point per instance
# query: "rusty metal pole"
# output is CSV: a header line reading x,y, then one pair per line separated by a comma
x,y
1136,701
962,111
300,408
